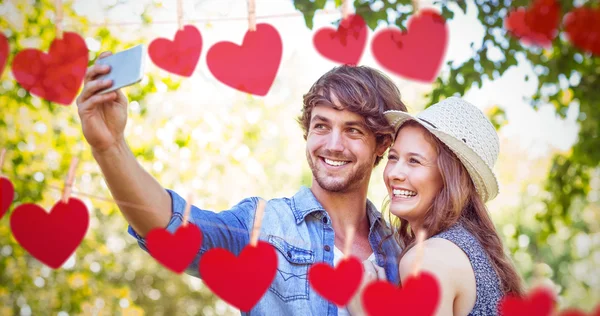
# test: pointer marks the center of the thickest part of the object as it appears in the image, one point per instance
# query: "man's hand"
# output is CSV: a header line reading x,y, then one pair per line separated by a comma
x,y
103,116
371,273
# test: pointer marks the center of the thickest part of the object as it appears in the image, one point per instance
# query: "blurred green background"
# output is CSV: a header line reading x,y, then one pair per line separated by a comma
x,y
196,134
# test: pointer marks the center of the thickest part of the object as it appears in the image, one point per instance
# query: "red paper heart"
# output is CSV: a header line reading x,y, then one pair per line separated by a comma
x,y
416,54
540,302
55,76
179,56
419,295
251,67
338,284
344,45
175,251
582,26
3,52
240,281
537,25
7,194
50,237
576,312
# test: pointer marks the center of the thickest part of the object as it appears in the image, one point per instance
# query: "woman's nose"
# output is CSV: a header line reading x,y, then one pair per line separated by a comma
x,y
398,172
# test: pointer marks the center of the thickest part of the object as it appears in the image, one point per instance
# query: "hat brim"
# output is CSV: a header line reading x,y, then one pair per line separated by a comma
x,y
483,177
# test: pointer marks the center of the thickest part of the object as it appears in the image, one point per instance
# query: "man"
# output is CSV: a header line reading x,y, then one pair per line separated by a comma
x,y
346,136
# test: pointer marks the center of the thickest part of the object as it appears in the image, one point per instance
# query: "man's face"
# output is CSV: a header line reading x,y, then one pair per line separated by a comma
x,y
340,149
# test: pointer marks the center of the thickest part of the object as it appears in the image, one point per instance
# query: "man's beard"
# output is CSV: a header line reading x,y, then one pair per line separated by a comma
x,y
351,178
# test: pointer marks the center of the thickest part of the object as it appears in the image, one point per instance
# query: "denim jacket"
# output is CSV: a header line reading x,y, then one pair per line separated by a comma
x,y
300,231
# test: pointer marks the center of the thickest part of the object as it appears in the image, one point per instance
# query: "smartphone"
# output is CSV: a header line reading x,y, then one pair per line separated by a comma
x,y
126,68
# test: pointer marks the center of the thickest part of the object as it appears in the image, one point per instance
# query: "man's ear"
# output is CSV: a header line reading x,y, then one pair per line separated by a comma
x,y
384,145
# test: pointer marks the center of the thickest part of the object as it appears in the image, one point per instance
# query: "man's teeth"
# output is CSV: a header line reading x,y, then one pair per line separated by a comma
x,y
335,162
403,193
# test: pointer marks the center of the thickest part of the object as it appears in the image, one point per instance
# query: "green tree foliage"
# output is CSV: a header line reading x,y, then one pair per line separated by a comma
x,y
567,77
227,147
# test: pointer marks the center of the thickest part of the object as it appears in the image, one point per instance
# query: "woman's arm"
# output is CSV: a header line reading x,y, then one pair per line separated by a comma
x,y
452,268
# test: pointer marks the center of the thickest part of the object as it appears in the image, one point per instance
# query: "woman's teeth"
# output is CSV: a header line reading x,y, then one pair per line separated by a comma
x,y
403,193
335,162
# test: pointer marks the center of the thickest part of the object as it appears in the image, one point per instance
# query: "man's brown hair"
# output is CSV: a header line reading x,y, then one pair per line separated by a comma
x,y
359,89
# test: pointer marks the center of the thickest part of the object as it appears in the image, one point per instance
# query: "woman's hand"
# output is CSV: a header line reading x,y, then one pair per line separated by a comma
x,y
371,273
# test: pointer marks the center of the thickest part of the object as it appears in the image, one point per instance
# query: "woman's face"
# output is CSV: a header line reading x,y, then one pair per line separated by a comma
x,y
412,176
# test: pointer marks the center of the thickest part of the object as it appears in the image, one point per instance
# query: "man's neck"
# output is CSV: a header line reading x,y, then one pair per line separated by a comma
x,y
347,210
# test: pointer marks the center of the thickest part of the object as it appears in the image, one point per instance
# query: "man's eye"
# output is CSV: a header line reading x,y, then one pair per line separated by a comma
x,y
319,126
355,131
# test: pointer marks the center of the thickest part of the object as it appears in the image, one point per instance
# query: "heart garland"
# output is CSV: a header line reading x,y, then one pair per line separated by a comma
x,y
240,281
7,194
51,237
251,67
175,251
582,26
338,284
536,25
419,295
3,52
57,75
344,45
179,56
539,302
417,53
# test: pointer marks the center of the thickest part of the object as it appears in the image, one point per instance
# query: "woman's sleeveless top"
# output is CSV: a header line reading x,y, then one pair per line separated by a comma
x,y
488,288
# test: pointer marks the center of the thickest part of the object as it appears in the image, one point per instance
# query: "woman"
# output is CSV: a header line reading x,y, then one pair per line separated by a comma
x,y
439,175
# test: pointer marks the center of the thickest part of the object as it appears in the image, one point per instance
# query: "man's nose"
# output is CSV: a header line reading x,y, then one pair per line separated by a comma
x,y
335,142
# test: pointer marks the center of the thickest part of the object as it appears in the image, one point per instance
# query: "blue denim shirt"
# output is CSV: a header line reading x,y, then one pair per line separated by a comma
x,y
300,230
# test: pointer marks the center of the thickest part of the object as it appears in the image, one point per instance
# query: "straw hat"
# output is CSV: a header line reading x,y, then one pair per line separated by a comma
x,y
467,132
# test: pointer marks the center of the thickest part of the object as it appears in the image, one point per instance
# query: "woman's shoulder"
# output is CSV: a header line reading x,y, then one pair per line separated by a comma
x,y
440,256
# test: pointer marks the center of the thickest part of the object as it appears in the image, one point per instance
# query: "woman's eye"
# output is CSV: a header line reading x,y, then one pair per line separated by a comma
x,y
413,160
392,157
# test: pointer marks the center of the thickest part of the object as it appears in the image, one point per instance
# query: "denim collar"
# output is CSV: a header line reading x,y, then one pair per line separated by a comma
x,y
304,203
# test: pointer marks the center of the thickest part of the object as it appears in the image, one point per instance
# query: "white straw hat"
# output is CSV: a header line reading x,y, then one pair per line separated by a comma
x,y
467,132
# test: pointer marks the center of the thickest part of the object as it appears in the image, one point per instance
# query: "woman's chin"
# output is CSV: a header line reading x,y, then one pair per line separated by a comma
x,y
402,212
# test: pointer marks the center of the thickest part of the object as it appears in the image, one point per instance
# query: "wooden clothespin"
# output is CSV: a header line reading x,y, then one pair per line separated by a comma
x,y
180,14
415,4
2,154
419,249
69,181
59,18
252,15
258,216
348,242
188,207
345,9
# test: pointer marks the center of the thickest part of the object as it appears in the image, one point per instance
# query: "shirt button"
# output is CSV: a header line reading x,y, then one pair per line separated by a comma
x,y
325,220
327,248
289,253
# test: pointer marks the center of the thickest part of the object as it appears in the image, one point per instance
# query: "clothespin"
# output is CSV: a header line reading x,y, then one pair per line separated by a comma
x,y
345,9
180,14
188,207
419,249
69,181
348,242
415,4
2,153
258,216
59,19
252,15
